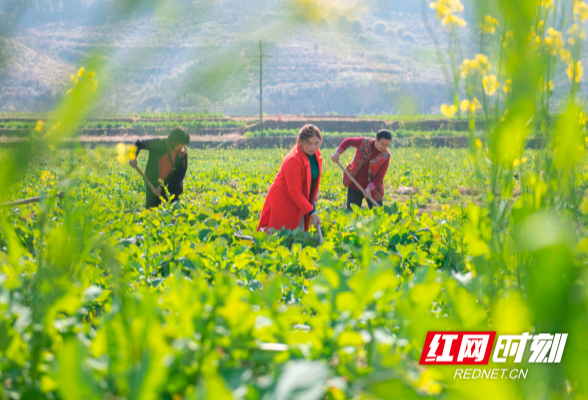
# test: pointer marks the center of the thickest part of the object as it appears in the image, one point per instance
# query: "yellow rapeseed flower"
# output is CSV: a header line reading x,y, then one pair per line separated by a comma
x,y
448,110
553,41
575,71
470,106
488,25
479,63
576,30
126,152
516,163
132,152
454,20
446,10
475,105
39,126
90,74
581,9
507,86
478,143
490,84
524,160
81,72
121,150
46,176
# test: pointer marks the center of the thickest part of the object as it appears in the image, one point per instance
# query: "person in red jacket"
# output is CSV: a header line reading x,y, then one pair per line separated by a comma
x,y
368,167
291,200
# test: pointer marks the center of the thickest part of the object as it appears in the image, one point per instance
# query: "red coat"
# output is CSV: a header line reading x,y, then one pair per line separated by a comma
x,y
291,196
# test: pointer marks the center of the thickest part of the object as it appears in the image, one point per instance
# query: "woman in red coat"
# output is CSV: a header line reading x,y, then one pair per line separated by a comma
x,y
290,200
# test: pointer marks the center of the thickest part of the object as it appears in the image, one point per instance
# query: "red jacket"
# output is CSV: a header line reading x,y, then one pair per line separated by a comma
x,y
291,195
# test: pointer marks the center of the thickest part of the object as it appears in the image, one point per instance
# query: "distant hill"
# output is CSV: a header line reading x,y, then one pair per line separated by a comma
x,y
205,56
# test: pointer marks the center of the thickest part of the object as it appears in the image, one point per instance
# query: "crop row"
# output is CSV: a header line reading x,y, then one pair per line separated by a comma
x,y
171,124
172,303
400,133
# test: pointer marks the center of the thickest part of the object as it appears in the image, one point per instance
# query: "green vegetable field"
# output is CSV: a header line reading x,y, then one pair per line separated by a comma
x,y
100,299
469,282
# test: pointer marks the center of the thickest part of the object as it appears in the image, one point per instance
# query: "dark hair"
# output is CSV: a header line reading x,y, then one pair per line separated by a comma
x,y
384,134
177,136
308,131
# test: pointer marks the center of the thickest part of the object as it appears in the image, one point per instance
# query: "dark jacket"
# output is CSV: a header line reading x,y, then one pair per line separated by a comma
x,y
159,153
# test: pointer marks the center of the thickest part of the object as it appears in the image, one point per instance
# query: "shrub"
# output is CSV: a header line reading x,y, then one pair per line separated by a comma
x,y
409,37
356,25
391,33
380,28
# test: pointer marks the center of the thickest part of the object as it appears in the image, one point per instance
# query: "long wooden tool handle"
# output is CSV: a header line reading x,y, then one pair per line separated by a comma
x,y
357,184
318,229
28,201
153,189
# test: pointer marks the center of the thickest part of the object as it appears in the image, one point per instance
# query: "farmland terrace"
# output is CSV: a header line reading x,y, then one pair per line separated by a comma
x,y
209,60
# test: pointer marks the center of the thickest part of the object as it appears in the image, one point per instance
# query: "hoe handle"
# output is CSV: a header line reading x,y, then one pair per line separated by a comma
x,y
356,184
153,189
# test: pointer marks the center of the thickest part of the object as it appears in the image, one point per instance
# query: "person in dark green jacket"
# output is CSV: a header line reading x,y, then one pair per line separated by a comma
x,y
167,163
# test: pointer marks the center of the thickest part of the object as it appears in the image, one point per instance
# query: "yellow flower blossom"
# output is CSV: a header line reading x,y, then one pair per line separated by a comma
x,y
478,143
446,10
516,163
553,41
576,31
39,126
488,25
445,7
476,105
544,87
454,20
126,152
565,54
132,152
547,4
81,72
448,111
575,71
581,9
90,74
524,160
470,106
490,84
47,176
507,86
479,63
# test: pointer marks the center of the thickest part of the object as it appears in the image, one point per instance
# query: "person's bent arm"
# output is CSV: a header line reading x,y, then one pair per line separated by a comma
x,y
292,171
144,144
349,142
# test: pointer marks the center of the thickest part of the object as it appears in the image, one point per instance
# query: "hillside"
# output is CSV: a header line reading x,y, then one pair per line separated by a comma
x,y
207,59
